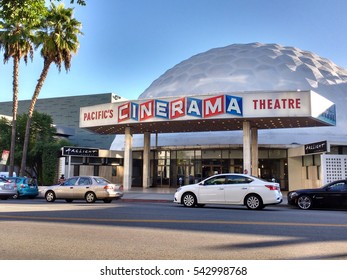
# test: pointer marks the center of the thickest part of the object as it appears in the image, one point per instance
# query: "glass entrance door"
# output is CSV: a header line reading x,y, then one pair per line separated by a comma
x,y
209,170
163,176
214,167
185,174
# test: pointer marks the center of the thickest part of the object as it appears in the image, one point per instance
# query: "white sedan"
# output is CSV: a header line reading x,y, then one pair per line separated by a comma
x,y
231,188
89,188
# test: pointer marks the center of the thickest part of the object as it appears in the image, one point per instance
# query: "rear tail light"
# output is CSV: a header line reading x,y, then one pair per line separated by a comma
x,y
22,186
271,188
111,188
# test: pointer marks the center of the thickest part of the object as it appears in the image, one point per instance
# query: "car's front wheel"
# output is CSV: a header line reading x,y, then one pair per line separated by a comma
x,y
304,202
254,202
189,200
50,196
90,197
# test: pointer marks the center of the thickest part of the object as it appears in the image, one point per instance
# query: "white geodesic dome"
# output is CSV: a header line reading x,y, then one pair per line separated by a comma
x,y
248,67
255,67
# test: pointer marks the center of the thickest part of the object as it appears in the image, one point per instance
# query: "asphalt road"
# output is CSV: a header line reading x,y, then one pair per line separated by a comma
x,y
35,229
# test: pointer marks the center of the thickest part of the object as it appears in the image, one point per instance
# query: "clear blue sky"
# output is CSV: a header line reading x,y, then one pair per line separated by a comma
x,y
127,44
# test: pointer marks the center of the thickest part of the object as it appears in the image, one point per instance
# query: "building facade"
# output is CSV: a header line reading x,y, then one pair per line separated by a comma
x,y
183,134
170,166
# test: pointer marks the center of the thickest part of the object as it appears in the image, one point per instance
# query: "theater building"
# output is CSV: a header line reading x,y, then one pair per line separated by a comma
x,y
249,107
249,112
273,111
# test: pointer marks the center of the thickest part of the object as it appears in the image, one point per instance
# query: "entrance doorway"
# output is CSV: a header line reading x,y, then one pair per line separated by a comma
x,y
211,167
274,170
186,174
209,170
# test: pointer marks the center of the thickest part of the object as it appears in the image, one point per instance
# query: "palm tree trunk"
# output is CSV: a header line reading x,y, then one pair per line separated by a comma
x,y
38,88
14,112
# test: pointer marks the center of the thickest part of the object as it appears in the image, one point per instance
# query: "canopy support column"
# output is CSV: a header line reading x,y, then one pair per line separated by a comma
x,y
246,147
255,156
128,159
146,160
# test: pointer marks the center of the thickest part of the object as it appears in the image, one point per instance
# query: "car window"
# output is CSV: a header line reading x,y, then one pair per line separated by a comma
x,y
340,186
70,182
217,180
237,179
100,180
83,181
30,181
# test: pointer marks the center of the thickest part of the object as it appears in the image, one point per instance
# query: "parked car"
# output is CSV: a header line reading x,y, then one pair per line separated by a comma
x,y
232,188
89,188
333,195
7,188
26,187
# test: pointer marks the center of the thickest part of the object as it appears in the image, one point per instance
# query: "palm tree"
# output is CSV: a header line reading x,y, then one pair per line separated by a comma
x,y
59,40
18,21
16,44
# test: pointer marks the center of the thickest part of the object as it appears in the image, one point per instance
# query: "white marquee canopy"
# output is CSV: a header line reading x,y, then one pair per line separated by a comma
x,y
217,112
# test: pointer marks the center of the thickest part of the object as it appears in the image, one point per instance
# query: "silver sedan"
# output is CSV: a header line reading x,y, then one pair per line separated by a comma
x,y
88,188
7,188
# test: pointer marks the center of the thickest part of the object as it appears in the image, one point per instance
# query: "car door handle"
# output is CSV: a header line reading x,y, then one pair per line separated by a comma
x,y
244,188
220,188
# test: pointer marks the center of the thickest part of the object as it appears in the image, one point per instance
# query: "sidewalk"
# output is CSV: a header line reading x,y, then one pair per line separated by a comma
x,y
149,195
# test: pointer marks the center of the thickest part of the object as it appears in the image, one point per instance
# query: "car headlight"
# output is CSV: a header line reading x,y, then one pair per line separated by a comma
x,y
293,194
180,188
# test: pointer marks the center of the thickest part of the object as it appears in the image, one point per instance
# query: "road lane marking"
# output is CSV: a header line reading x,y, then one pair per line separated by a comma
x,y
43,218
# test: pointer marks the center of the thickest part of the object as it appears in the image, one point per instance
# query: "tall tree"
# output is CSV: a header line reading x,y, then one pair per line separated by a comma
x,y
80,2
58,38
18,20
44,146
5,135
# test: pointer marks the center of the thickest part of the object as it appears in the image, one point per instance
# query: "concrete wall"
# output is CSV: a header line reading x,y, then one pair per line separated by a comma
x,y
300,176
